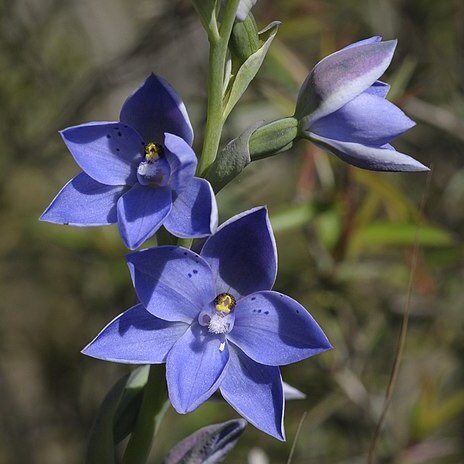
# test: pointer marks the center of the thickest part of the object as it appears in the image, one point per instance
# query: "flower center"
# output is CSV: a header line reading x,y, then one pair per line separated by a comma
x,y
154,169
224,303
153,151
219,315
219,324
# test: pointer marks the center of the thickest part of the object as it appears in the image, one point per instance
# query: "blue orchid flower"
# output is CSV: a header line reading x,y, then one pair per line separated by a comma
x,y
342,108
215,322
139,172
243,10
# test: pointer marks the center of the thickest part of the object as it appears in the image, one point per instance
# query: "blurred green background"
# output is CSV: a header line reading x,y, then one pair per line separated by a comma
x,y
345,236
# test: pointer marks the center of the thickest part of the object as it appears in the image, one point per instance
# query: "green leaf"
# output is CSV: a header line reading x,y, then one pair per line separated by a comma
x,y
117,416
401,78
398,205
100,447
448,410
250,68
433,411
206,10
328,225
153,407
129,405
397,234
292,218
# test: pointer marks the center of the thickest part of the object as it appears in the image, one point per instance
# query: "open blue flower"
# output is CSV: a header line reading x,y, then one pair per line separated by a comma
x,y
138,172
213,319
342,108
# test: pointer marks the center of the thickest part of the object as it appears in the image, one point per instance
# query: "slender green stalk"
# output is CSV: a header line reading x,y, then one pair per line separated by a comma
x,y
371,455
297,434
207,12
217,61
154,396
140,443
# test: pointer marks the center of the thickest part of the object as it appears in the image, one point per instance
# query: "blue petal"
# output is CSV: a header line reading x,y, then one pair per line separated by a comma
x,y
182,161
141,212
244,7
136,337
195,368
291,393
109,152
367,119
379,88
340,77
370,40
255,392
274,329
384,158
208,445
173,283
84,202
155,108
242,254
194,211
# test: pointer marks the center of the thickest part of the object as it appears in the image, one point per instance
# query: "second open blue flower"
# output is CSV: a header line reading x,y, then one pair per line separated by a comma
x,y
214,320
138,172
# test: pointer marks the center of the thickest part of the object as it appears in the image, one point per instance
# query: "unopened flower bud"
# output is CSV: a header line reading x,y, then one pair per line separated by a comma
x,y
244,40
273,138
342,107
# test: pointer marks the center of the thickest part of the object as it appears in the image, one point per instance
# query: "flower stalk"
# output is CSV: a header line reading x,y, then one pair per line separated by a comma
x,y
150,414
217,61
155,394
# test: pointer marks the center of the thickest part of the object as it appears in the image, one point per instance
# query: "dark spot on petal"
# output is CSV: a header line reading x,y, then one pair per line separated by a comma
x,y
253,298
115,127
254,310
297,311
266,312
108,136
143,143
120,134
125,125
190,275
281,296
195,271
185,253
259,310
117,149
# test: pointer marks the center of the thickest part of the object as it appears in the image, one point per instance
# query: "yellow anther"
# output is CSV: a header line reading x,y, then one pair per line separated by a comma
x,y
153,151
224,303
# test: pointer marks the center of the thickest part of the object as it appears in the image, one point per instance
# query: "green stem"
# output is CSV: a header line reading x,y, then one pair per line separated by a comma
x,y
140,443
217,61
155,394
